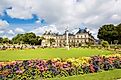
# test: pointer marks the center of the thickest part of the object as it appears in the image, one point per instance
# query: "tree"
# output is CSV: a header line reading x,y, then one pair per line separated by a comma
x,y
27,38
42,38
39,40
105,44
119,33
5,40
1,39
17,38
108,33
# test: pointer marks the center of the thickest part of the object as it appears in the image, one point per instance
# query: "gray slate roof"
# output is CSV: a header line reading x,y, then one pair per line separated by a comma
x,y
82,31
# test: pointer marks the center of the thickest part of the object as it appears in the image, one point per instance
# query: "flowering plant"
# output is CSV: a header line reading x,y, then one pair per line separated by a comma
x,y
57,67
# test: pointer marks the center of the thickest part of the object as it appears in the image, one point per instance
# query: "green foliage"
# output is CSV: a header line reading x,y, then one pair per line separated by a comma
x,y
1,39
110,33
119,33
45,69
27,38
5,40
105,44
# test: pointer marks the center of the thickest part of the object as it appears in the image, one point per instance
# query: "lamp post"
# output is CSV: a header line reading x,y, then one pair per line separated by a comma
x,y
67,40
67,44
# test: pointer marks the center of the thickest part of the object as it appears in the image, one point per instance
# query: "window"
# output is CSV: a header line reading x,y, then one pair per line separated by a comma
x,y
85,40
77,36
77,41
85,36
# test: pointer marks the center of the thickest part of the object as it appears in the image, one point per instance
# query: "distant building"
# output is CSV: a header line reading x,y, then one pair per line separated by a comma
x,y
82,37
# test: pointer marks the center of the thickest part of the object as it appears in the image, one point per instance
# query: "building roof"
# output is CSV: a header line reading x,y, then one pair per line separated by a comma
x,y
50,33
69,34
82,31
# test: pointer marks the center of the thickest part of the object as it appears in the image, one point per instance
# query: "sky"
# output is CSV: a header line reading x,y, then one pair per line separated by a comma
x,y
38,16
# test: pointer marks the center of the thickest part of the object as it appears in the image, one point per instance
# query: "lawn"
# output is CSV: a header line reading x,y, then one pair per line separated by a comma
x,y
48,53
105,75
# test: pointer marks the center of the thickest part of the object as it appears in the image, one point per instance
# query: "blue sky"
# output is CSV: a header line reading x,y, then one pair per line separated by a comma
x,y
24,25
17,21
17,16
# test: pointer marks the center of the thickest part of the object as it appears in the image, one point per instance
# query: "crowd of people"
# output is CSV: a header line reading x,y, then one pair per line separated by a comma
x,y
36,69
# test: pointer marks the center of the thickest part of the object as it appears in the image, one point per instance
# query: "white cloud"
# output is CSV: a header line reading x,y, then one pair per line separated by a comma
x,y
73,12
41,30
19,30
11,32
1,32
94,32
3,23
116,17
93,13
3,4
14,13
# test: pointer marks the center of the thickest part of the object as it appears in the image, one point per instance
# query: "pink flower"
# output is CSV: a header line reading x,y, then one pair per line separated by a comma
x,y
41,68
38,66
19,71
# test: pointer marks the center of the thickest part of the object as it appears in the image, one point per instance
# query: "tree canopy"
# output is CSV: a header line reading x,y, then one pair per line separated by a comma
x,y
105,44
4,40
27,38
110,33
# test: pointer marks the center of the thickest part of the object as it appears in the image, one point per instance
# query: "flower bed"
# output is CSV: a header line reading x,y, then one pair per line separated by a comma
x,y
34,69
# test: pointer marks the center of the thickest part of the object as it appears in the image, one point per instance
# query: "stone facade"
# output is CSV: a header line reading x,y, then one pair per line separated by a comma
x,y
82,37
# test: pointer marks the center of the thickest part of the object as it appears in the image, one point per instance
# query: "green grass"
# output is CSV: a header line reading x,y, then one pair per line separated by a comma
x,y
48,53
62,53
105,75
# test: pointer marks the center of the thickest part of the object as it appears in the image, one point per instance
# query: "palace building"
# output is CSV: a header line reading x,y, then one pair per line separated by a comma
x,y
82,37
